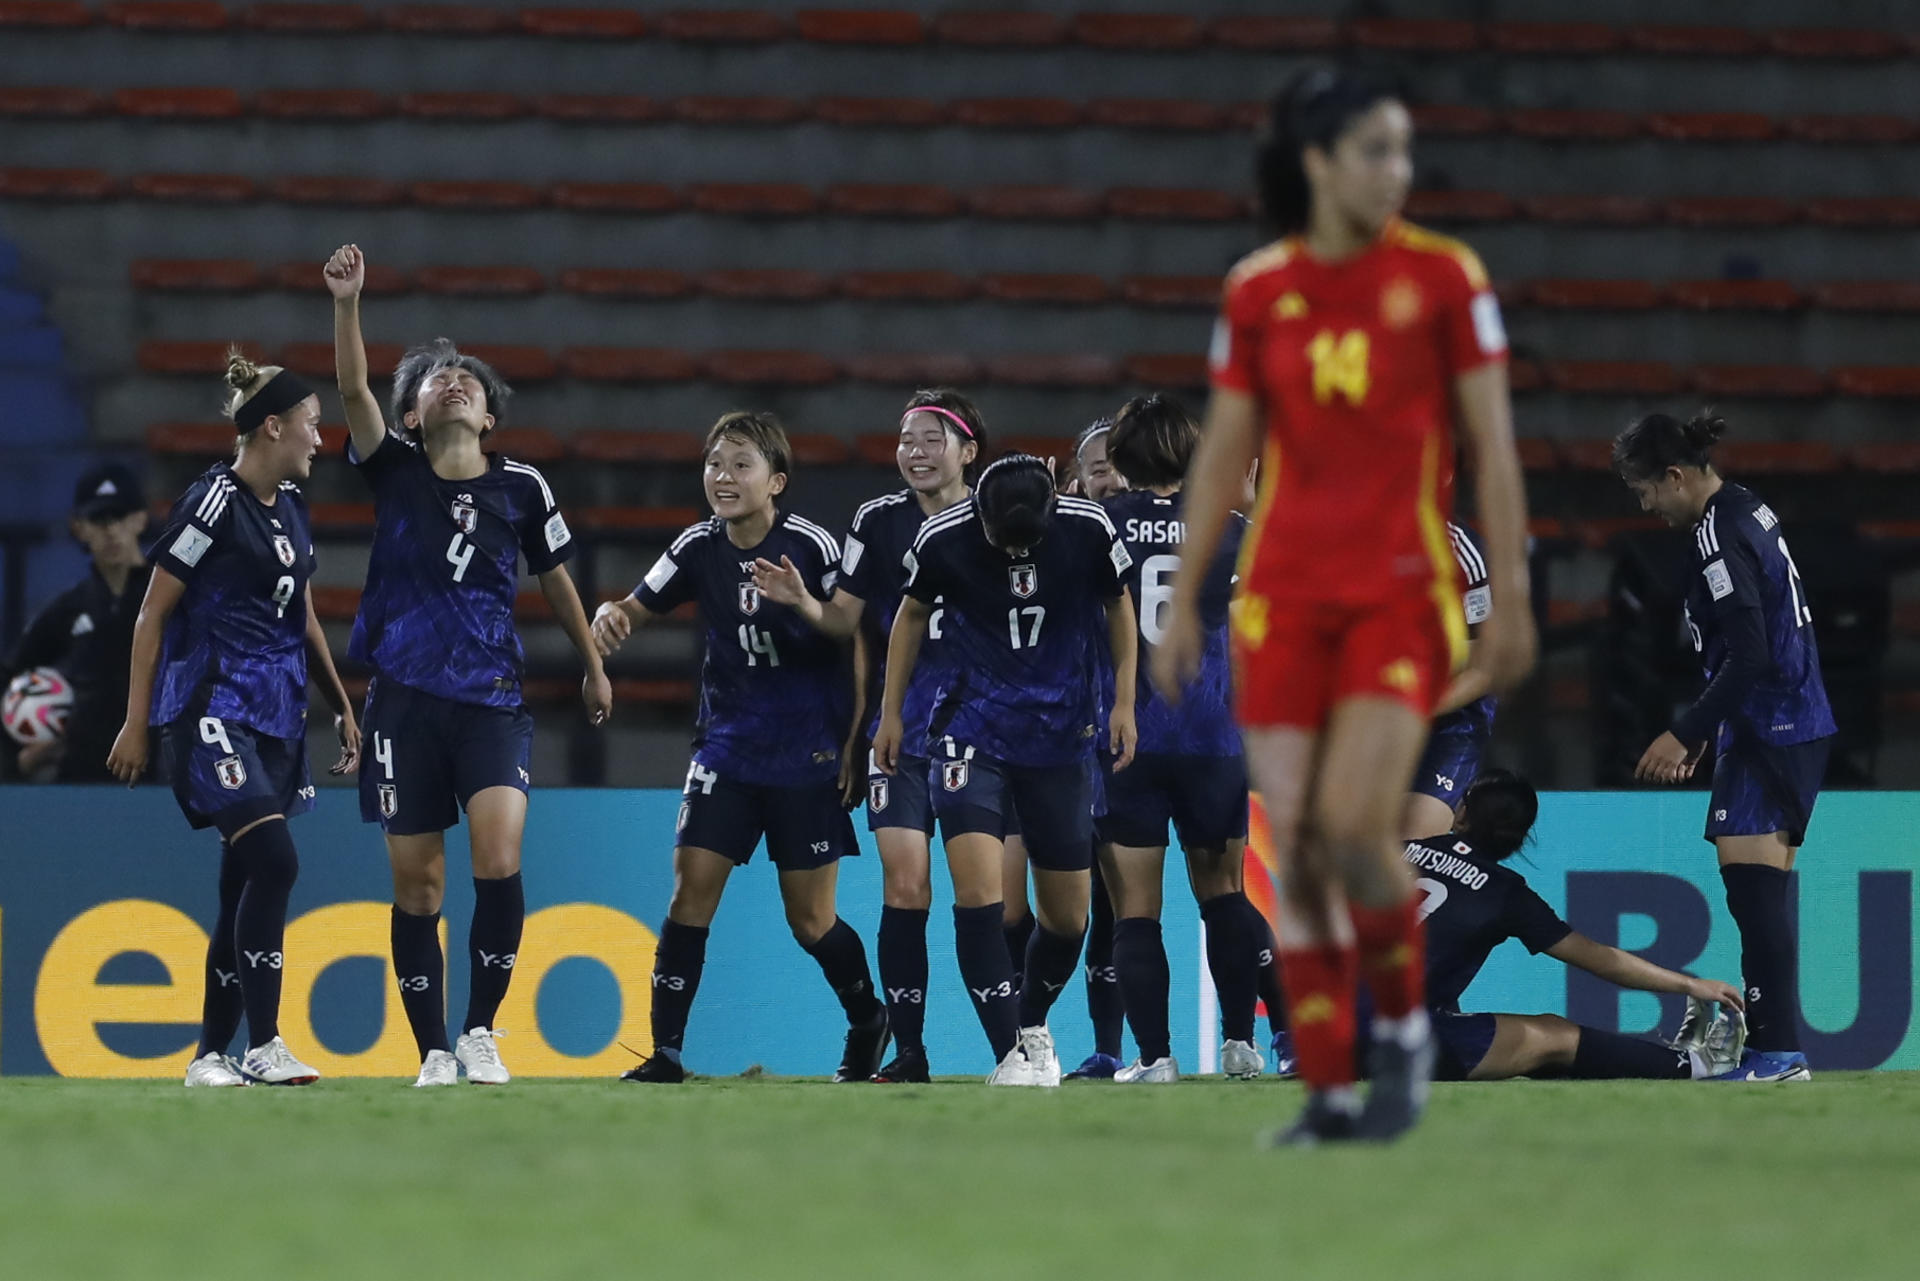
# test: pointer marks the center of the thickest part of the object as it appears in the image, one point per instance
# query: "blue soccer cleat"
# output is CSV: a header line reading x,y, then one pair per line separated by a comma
x,y
1097,1067
1285,1065
1769,1065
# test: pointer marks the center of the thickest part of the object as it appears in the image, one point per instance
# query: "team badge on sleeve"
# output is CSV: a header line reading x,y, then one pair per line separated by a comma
x,y
283,548
465,514
1023,580
232,772
953,775
749,599
877,795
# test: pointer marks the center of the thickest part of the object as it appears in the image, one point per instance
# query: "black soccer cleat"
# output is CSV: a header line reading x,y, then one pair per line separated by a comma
x,y
866,1046
659,1070
1319,1122
909,1067
1401,1080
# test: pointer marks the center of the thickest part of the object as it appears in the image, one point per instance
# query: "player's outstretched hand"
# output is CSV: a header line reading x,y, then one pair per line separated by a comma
x,y
349,731
346,272
596,691
1175,661
1666,760
1123,735
782,584
886,743
128,759
1713,990
611,627
1506,648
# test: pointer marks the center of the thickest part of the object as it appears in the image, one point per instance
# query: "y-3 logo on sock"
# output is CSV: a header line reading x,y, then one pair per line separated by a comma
x,y
498,960
226,979
413,982
671,982
1266,957
1053,987
1003,988
1102,974
257,959
906,996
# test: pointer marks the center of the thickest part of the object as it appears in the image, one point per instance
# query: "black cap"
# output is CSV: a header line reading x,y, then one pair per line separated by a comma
x,y
108,491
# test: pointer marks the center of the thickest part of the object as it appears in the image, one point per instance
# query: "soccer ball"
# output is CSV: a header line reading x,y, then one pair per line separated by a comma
x,y
36,705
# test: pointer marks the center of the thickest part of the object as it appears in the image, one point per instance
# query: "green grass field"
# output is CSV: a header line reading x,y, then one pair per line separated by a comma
x,y
737,1179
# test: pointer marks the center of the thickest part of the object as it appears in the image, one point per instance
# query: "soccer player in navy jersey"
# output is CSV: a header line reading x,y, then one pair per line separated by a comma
x,y
444,716
1028,582
766,752
1471,903
941,440
1764,708
227,626
1463,725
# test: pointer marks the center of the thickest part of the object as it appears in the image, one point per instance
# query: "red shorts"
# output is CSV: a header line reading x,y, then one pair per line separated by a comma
x,y
1294,661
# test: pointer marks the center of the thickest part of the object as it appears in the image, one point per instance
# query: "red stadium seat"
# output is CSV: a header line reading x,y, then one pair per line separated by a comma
x,y
1137,30
1697,42
666,521
1872,211
1878,382
1833,43
199,275
1575,125
755,199
1054,447
1759,382
706,109
444,19
533,605
812,449
462,106
1175,204
770,368
913,369
1587,455
1892,457
1156,113
584,24
1459,206
1731,211
892,200
516,362
1276,34
49,101
630,365
167,15
1553,37
43,13
1711,126
1599,534
860,26
304,277
1053,371
723,26
198,188
1735,295
335,604
881,113
626,282
637,447
483,282
1547,528
1000,30
308,18
320,104
315,359
1868,295
1594,295
1604,211
1525,376
1179,370
1613,377
315,190
1415,35
767,285
1777,457
1037,203
55,184
878,450
208,359
1060,288
904,286
528,444
1016,113
600,108
208,440
475,195
616,197
657,693
179,104
1198,292
1448,120
1537,455
1875,130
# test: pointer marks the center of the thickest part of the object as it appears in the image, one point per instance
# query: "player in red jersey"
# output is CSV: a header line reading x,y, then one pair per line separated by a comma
x,y
1349,350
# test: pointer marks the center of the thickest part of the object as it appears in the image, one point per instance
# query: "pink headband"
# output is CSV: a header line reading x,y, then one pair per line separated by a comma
x,y
948,414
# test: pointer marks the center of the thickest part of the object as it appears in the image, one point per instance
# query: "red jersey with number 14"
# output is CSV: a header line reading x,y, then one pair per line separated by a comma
x,y
1353,364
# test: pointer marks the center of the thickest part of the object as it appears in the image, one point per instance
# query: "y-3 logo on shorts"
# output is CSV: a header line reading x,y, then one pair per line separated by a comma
x,y
1443,782
820,847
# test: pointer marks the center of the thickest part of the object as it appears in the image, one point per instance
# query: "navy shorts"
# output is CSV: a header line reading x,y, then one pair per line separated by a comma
x,y
1204,797
1053,805
427,756
227,775
1450,763
805,825
1460,1041
1760,788
899,799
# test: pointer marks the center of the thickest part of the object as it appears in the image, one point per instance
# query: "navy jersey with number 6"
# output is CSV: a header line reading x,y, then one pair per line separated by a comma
x,y
235,647
873,568
1031,627
1152,529
772,706
1471,905
437,613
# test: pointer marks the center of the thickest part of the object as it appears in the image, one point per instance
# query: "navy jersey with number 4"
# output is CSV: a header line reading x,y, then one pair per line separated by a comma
x,y
1030,629
873,568
235,647
1471,905
1742,562
437,613
772,706
1152,529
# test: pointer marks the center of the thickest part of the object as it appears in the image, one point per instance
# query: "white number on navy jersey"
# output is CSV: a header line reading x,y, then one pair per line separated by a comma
x,y
756,643
214,734
1038,617
700,776
1432,894
1156,595
1802,613
283,594
459,555
383,752
933,623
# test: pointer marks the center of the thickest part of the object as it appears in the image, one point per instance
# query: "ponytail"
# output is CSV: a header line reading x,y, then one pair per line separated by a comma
x,y
1498,813
1656,442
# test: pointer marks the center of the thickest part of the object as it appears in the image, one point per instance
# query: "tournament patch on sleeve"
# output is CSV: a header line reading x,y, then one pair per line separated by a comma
x,y
1117,551
1221,347
1488,328
850,555
557,534
828,581
190,546
662,573
1479,603
912,563
1719,581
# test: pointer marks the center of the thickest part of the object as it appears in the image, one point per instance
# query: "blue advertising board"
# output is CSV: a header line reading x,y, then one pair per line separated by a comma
x,y
106,898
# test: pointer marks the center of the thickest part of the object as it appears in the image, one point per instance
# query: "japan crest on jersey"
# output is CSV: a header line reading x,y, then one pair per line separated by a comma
x,y
1023,580
749,599
283,548
231,772
465,514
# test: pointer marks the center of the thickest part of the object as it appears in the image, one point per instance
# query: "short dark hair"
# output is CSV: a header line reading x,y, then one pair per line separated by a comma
x,y
757,428
1498,813
1015,497
1659,441
1153,440
1312,110
419,364
962,408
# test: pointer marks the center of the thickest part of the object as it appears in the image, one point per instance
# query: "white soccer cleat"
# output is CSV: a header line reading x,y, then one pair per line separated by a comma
x,y
481,1057
1159,1072
1037,1044
213,1069
1240,1061
274,1064
440,1068
1018,1069
1695,1026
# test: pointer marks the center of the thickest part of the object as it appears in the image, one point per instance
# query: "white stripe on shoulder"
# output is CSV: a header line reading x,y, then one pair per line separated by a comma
x,y
213,499
1465,554
1071,506
871,506
689,534
954,516
828,545
546,491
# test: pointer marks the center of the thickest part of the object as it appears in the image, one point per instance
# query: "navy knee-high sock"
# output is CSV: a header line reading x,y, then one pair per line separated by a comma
x,y
221,1007
1140,955
1051,959
980,945
903,973
271,864
1607,1055
842,957
1016,934
422,974
493,943
1233,961
1106,1001
1769,955
678,961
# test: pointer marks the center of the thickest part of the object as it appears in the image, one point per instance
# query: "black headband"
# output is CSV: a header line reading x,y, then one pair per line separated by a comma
x,y
282,392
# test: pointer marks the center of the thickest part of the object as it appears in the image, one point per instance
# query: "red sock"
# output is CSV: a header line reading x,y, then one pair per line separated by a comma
x,y
1319,986
1393,956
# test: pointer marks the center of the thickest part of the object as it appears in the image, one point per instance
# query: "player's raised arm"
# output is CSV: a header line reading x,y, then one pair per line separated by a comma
x,y
346,276
1216,481
128,760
